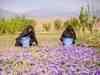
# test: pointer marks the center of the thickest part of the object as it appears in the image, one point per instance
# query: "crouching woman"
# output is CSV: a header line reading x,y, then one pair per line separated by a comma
x,y
68,37
27,38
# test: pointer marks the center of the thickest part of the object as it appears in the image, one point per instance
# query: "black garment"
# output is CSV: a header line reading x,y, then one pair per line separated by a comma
x,y
31,35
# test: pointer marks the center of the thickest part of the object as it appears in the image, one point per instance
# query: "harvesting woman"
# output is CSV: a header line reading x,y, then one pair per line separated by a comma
x,y
68,37
27,38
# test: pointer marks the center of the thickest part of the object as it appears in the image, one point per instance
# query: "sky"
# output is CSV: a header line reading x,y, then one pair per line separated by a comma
x,y
21,6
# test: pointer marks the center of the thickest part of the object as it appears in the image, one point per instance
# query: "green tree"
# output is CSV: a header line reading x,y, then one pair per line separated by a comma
x,y
86,20
57,24
73,22
83,18
66,23
3,25
91,23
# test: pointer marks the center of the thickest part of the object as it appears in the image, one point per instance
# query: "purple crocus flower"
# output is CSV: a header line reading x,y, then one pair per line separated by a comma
x,y
97,72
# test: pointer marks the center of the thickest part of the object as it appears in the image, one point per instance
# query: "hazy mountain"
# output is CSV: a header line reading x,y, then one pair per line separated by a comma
x,y
43,14
36,13
6,13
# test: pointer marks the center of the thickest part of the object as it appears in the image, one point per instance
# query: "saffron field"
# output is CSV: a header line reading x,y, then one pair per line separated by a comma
x,y
49,58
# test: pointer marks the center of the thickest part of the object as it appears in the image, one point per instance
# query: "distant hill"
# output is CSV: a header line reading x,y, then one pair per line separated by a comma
x,y
52,13
41,14
46,14
6,13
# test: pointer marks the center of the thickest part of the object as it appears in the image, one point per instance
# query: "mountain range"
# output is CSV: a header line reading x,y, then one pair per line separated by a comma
x,y
40,13
5,13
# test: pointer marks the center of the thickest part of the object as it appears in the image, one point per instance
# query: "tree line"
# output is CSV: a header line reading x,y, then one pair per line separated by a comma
x,y
84,22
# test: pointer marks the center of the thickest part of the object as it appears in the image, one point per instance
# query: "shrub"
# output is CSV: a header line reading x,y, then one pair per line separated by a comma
x,y
57,24
47,26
